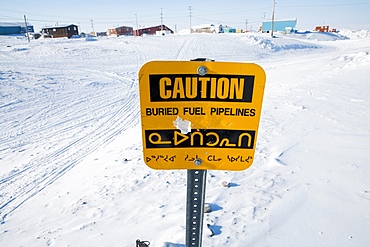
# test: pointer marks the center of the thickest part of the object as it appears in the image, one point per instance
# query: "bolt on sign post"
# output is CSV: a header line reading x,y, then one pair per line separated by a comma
x,y
200,115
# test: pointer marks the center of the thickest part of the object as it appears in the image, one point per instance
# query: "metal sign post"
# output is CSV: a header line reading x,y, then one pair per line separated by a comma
x,y
196,188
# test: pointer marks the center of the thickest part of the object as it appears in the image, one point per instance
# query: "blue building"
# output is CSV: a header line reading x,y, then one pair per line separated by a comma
x,y
228,29
279,26
15,28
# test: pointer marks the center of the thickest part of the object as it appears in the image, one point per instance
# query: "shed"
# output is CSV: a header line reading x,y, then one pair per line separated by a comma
x,y
118,31
60,31
161,29
15,28
100,34
288,25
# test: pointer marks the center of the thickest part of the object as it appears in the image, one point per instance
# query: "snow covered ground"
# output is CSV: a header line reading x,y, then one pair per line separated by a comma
x,y
71,165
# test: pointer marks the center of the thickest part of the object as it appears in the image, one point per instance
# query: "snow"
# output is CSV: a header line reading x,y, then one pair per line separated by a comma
x,y
358,34
71,165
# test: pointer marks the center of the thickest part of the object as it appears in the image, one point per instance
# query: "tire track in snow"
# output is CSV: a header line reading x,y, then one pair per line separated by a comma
x,y
184,49
192,48
47,129
26,182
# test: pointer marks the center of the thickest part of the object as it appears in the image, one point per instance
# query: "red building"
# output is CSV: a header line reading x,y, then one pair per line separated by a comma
x,y
118,31
156,30
322,29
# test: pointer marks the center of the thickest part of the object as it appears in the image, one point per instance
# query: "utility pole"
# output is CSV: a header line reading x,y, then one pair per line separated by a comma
x,y
272,19
92,26
137,26
161,22
190,16
25,22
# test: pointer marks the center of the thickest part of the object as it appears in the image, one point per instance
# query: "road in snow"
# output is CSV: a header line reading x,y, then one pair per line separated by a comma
x,y
71,171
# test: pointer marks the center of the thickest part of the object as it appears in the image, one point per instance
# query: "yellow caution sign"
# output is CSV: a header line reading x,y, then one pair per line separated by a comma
x,y
200,115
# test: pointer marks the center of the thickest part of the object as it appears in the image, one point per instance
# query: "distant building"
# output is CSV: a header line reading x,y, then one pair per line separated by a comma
x,y
60,31
228,29
288,25
15,28
156,30
100,34
207,28
118,31
322,28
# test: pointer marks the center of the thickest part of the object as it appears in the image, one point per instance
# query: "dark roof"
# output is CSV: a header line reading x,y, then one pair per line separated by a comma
x,y
148,27
59,26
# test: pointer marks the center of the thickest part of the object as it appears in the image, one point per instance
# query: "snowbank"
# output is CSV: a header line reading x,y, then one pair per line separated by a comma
x,y
319,36
71,165
355,34
278,44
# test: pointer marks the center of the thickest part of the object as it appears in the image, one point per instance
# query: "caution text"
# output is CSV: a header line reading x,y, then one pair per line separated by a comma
x,y
201,88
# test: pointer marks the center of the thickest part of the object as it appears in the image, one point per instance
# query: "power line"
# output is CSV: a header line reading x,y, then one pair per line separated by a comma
x,y
322,5
228,16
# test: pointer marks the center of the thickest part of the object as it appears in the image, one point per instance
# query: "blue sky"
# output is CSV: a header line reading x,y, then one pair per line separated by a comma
x,y
103,14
